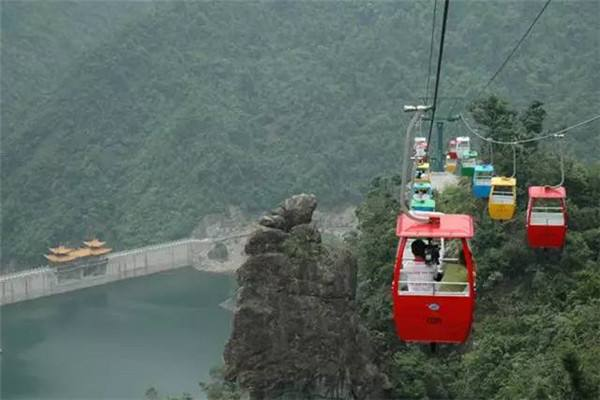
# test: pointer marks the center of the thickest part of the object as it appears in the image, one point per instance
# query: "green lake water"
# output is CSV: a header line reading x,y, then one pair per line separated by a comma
x,y
115,341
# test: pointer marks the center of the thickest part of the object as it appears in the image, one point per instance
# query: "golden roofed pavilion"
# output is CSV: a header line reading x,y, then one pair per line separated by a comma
x,y
94,243
61,250
62,254
96,247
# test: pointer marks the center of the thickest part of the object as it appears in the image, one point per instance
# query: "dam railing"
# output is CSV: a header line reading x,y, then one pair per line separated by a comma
x,y
46,280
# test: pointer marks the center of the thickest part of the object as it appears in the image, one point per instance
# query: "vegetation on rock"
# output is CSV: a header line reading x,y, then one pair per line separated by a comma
x,y
296,332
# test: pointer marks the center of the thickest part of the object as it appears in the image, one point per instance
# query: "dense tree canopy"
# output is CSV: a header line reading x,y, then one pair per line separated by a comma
x,y
537,332
132,120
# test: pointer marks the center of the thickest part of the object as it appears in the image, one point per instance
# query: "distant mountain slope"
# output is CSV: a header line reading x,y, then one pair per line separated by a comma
x,y
41,40
199,105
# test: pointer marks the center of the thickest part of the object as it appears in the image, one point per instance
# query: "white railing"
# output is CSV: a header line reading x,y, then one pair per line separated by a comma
x,y
160,246
547,216
416,278
483,181
25,273
53,280
502,198
432,288
153,247
181,242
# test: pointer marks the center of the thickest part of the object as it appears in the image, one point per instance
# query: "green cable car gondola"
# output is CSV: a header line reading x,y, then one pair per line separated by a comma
x,y
422,204
467,164
422,189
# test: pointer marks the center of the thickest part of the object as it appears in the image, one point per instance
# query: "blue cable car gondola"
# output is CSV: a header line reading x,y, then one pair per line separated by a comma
x,y
422,199
422,204
482,180
422,189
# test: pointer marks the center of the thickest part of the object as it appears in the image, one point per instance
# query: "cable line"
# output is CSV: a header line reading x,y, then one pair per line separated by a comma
x,y
562,161
534,139
514,50
439,69
430,50
403,198
514,149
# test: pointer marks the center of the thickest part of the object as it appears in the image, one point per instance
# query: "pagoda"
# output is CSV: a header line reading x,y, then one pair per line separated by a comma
x,y
62,255
96,247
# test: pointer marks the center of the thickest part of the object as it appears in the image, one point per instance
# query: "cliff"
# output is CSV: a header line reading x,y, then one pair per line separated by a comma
x,y
296,331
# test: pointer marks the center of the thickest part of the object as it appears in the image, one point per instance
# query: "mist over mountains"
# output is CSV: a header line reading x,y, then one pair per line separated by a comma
x,y
132,120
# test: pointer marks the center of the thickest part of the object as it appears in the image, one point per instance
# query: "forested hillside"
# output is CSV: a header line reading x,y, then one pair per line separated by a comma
x,y
134,120
42,40
537,328
536,333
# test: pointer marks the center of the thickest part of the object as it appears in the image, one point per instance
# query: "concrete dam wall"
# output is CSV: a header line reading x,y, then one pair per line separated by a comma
x,y
46,281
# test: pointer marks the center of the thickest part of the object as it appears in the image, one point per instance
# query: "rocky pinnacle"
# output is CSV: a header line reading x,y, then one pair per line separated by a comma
x,y
296,332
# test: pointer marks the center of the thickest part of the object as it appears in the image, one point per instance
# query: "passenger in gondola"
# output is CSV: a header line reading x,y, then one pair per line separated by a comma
x,y
418,249
429,255
417,269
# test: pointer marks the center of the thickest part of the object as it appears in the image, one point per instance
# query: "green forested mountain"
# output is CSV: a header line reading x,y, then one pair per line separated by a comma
x,y
41,40
536,333
132,120
537,321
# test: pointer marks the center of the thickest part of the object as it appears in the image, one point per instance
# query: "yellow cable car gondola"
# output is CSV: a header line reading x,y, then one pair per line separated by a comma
x,y
503,198
422,173
450,166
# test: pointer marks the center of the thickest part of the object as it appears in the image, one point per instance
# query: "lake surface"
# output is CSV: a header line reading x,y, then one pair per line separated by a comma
x,y
115,341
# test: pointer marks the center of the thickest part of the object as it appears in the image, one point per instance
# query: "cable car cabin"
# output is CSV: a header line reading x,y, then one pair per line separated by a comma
x,y
467,166
422,204
422,174
430,307
420,147
482,180
546,217
452,149
463,146
450,166
503,198
422,190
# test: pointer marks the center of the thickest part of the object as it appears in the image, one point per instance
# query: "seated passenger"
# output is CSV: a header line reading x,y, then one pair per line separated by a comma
x,y
421,251
418,249
417,274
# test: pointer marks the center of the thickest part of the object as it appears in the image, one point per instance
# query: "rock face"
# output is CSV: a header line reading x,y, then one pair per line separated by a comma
x,y
296,333
294,211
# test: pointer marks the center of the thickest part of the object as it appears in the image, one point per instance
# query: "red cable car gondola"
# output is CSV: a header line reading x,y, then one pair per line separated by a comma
x,y
546,217
452,149
426,310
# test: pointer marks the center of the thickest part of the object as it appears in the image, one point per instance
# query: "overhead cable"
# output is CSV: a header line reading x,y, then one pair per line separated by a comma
x,y
439,69
528,140
562,161
430,50
514,149
514,50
